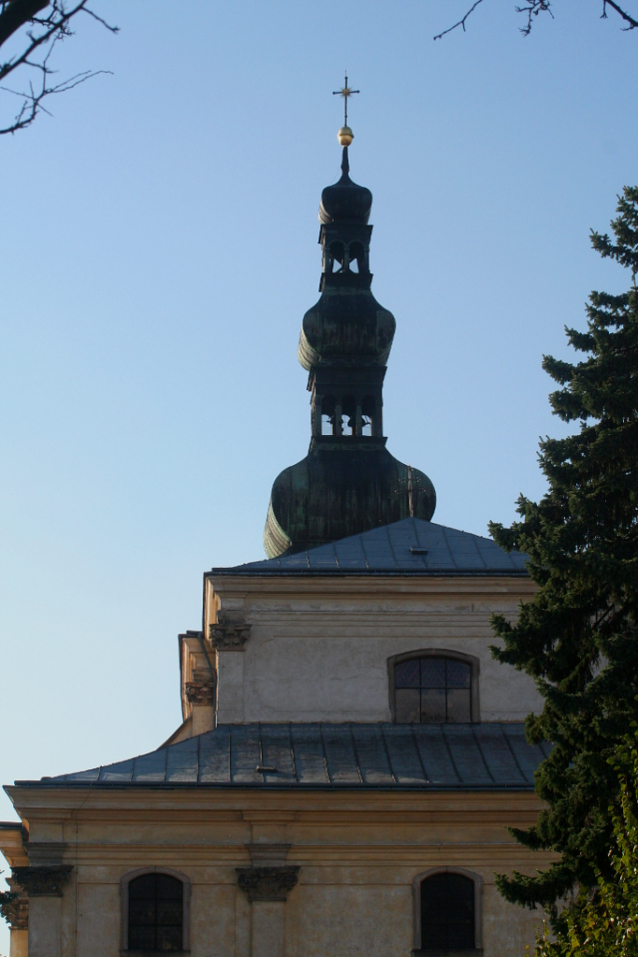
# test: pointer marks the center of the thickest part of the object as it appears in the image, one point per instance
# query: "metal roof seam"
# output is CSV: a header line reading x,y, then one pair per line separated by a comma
x,y
198,758
387,751
449,751
426,776
482,753
390,544
325,754
356,753
513,753
292,753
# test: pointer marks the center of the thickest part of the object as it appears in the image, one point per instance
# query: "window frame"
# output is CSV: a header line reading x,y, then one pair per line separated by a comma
x,y
471,660
477,880
124,901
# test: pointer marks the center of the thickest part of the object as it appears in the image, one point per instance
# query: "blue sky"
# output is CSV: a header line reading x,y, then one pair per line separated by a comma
x,y
159,251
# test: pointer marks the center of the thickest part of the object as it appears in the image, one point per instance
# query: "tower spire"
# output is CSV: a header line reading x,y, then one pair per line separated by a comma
x,y
349,482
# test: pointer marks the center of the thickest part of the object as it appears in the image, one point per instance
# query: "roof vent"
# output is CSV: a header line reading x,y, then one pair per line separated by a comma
x,y
417,550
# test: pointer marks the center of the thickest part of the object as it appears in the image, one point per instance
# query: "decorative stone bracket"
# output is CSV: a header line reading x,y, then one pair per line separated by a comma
x,y
267,883
47,880
229,634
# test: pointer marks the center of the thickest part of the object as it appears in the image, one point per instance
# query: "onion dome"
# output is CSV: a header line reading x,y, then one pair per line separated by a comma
x,y
345,325
345,201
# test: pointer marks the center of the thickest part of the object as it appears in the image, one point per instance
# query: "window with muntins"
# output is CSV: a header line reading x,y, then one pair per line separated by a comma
x,y
447,913
155,913
432,690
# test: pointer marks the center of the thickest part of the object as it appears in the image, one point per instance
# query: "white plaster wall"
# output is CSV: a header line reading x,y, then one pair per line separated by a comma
x,y
213,919
355,921
98,923
342,911
45,927
329,661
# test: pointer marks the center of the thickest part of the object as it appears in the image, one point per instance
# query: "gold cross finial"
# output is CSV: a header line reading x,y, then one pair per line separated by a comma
x,y
346,92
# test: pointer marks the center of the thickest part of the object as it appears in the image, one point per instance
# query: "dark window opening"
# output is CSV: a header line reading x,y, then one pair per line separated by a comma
x,y
328,415
336,256
447,913
432,690
356,254
155,913
368,410
349,409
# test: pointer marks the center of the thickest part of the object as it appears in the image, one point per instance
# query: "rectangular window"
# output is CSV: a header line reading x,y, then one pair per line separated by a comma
x,y
432,690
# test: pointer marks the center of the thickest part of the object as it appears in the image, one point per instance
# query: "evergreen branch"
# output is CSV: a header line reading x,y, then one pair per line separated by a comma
x,y
578,636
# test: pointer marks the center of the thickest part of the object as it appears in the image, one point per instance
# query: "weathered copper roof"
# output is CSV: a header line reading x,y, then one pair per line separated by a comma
x,y
345,201
329,756
411,546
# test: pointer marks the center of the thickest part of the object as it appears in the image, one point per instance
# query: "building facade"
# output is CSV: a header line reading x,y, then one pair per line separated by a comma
x,y
350,756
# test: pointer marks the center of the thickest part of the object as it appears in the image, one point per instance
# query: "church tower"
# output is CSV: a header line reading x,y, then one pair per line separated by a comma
x,y
348,483
351,756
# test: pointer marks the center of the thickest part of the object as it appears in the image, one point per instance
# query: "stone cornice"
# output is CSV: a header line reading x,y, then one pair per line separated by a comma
x,y
12,840
267,883
47,880
299,585
59,803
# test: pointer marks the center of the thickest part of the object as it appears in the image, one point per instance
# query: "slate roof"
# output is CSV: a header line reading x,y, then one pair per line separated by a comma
x,y
411,546
330,756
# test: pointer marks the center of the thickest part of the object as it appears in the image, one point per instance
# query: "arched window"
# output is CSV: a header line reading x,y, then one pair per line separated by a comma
x,y
435,688
368,412
155,904
336,256
349,412
448,913
357,257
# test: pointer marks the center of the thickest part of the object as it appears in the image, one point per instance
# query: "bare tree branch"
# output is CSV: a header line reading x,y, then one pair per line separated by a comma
x,y
461,23
534,7
42,31
621,13
15,13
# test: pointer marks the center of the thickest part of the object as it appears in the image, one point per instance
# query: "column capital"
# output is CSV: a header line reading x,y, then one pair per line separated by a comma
x,y
229,634
14,907
200,690
46,880
267,883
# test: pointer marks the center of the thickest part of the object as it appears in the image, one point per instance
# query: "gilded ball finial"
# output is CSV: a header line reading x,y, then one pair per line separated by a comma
x,y
345,136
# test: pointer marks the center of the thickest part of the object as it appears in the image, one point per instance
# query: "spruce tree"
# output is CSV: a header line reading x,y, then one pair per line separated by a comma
x,y
603,921
578,636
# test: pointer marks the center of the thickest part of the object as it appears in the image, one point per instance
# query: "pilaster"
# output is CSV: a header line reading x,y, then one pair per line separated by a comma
x,y
267,884
228,636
